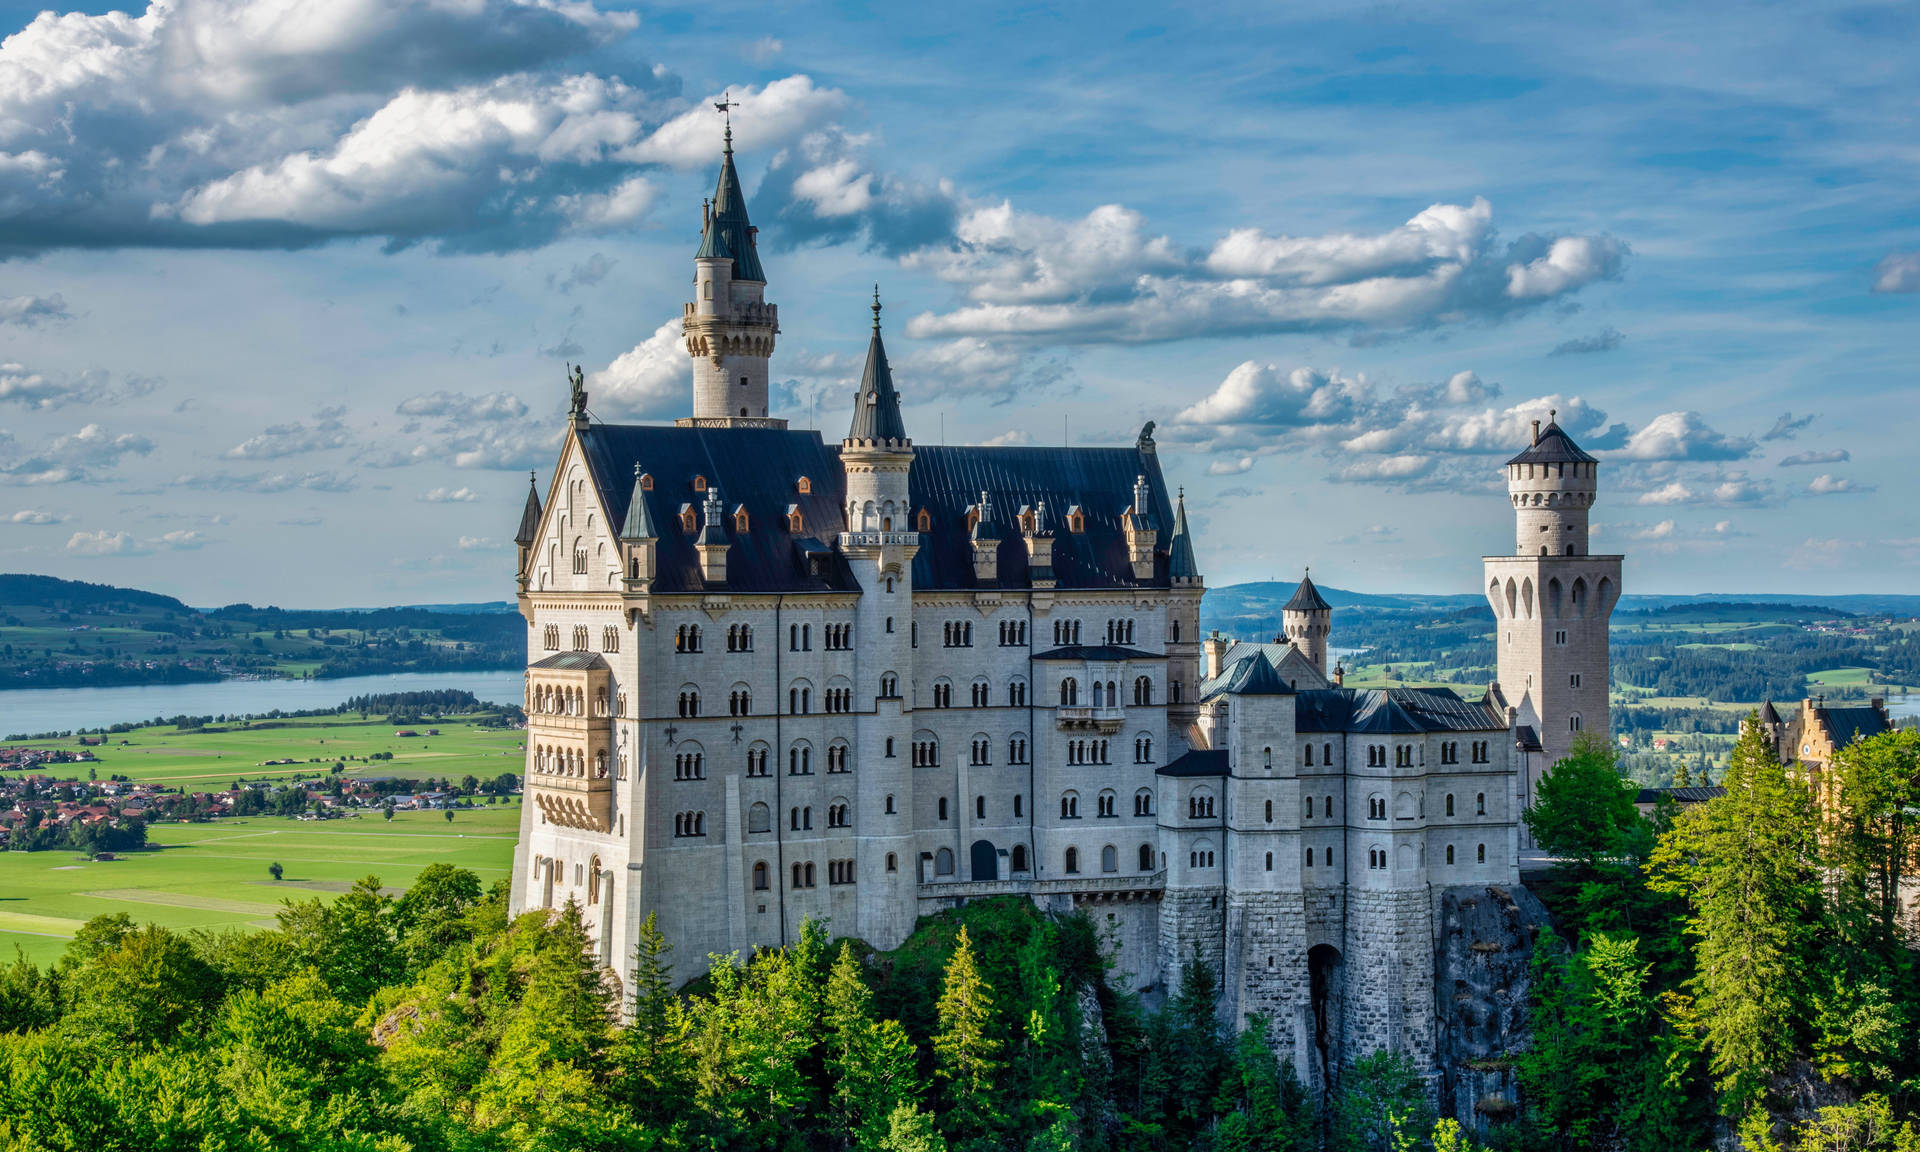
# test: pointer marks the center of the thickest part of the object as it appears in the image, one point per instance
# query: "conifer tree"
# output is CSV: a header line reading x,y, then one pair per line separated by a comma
x,y
1745,863
966,1052
653,1045
869,1062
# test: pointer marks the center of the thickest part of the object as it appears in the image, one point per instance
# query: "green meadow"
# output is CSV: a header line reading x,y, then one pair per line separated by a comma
x,y
214,875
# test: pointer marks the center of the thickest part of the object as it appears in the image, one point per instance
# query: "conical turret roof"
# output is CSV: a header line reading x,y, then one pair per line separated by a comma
x,y
529,516
1552,446
639,522
876,408
1307,598
1180,562
729,233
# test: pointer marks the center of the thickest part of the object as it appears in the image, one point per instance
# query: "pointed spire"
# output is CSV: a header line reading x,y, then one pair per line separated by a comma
x,y
1307,598
530,515
876,408
639,522
729,234
1180,562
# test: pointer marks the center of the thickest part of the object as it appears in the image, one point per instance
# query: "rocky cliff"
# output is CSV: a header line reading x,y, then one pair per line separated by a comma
x,y
1487,936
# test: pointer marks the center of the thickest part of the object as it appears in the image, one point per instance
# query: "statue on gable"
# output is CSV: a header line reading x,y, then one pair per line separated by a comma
x,y
578,379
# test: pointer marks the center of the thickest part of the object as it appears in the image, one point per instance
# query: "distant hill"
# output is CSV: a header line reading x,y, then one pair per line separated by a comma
x,y
66,633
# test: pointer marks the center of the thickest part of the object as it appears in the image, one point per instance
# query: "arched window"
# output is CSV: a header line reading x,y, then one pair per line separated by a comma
x,y
889,686
1107,802
1069,693
1480,803
1109,859
1019,858
1069,806
760,876
759,818
1449,853
1270,859
943,862
1146,857
1143,802
1073,861
1269,811
1481,853
943,807
890,808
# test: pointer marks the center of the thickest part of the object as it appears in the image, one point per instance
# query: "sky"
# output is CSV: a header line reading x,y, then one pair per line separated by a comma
x,y
288,287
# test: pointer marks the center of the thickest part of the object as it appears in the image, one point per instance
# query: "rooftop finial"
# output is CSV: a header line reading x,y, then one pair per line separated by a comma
x,y
725,106
1553,414
876,308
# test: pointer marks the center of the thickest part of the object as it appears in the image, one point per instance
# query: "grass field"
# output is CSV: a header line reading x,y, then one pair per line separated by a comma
x,y
215,875
215,758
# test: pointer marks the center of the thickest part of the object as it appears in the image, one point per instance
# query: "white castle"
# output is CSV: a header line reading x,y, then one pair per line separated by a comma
x,y
772,678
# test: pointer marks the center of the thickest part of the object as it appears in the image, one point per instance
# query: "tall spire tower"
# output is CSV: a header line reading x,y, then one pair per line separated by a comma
x,y
729,326
1551,601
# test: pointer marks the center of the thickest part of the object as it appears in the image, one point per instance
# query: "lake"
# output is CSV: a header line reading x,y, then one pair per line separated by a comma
x,y
64,709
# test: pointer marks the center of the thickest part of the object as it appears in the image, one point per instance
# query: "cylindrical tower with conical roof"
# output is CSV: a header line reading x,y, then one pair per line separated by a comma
x,y
729,326
1307,621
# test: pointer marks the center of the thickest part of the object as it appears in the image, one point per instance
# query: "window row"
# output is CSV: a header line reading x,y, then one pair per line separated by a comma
x,y
1109,859
957,634
1106,804
1119,631
803,874
690,824
560,761
1013,633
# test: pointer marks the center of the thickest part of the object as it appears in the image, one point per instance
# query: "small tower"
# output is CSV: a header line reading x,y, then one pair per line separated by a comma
x,y
1184,671
729,326
1307,621
637,536
529,530
986,542
1551,601
712,542
879,546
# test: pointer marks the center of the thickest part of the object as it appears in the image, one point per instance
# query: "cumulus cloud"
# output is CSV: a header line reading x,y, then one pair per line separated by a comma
x,y
1740,488
492,430
89,454
1468,388
1899,272
22,385
475,543
267,482
765,118
1786,426
1829,485
585,274
33,311
1801,459
1674,492
1683,436
103,542
1605,340
1011,438
1109,277
33,516
328,430
650,380
258,123
449,496
1385,469
501,406
1230,467
823,189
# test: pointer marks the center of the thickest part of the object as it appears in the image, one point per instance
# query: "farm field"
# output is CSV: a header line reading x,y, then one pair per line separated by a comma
x,y
214,875
211,758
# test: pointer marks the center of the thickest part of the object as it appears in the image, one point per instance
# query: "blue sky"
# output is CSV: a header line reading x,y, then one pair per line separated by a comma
x,y
289,285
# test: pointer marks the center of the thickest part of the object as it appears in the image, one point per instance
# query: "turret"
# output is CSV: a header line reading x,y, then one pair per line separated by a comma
x,y
729,326
1036,532
1306,621
1141,530
1551,485
529,529
986,541
637,536
877,453
1181,566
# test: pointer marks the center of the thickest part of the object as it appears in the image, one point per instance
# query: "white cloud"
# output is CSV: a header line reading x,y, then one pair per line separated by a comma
x,y
1787,426
1468,388
1011,438
329,430
763,50
107,543
267,482
1674,492
1899,272
652,379
1263,394
489,406
33,311
1802,459
1739,488
84,455
31,516
450,496
766,118
475,543
1571,263
1829,485
1605,340
21,386
1385,469
1230,467
1683,436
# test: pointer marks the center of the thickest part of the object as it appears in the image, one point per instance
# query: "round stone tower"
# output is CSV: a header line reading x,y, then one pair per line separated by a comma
x,y
1552,487
1307,621
729,325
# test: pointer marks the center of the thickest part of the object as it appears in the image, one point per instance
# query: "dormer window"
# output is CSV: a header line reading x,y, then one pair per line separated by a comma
x,y
924,521
740,518
1027,521
1076,520
794,523
687,519
699,483
646,482
973,516
804,486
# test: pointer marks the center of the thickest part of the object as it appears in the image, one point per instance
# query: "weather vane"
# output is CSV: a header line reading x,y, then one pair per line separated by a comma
x,y
725,106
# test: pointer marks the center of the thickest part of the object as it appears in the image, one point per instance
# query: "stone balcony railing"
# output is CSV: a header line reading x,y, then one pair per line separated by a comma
x,y
573,801
1102,719
1079,887
879,539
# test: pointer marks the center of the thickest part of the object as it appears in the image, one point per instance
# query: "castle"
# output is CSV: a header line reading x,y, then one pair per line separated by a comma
x,y
773,678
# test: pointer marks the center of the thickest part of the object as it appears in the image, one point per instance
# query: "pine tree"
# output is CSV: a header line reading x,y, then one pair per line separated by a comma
x,y
1746,864
652,1047
966,1053
869,1063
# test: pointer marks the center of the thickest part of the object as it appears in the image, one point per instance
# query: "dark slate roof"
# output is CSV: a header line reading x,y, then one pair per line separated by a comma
x,y
1847,723
572,662
758,468
876,406
1254,676
1307,598
1553,447
1679,795
1386,710
1180,562
639,522
1098,652
529,516
1526,739
1768,714
947,481
1197,763
729,233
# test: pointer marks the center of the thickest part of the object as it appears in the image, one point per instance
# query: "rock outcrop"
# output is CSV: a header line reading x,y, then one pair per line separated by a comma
x,y
1484,966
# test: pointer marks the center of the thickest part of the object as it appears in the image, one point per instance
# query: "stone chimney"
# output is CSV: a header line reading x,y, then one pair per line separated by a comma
x,y
1038,535
986,542
712,543
1141,531
1216,652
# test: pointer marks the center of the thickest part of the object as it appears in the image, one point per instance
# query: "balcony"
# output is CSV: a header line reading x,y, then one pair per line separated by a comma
x,y
879,539
574,802
1103,720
